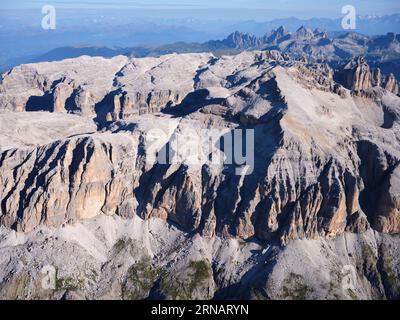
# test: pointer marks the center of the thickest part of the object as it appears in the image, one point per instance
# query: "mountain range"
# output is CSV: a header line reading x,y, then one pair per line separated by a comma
x,y
316,217
116,29
316,45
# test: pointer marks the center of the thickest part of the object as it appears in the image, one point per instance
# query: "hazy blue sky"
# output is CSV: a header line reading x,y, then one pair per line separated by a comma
x,y
292,7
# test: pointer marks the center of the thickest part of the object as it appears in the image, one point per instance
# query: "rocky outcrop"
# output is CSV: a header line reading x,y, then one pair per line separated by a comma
x,y
320,33
391,84
276,36
65,181
388,217
72,85
240,40
61,93
304,33
377,78
356,75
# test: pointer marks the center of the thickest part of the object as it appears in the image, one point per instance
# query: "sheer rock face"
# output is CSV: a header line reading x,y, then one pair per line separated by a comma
x,y
388,216
304,33
65,181
241,41
320,157
60,95
357,75
276,36
391,84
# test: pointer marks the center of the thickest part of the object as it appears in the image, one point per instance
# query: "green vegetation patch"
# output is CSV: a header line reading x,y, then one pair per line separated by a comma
x,y
125,244
182,287
139,280
352,294
389,277
295,288
368,263
70,284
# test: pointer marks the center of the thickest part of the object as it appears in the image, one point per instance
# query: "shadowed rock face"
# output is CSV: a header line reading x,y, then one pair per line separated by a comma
x,y
325,161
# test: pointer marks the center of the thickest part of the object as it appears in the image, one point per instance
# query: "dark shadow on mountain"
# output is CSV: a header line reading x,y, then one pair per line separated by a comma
x,y
40,103
193,102
143,192
121,126
104,107
341,53
267,139
375,178
388,119
70,104
252,284
387,67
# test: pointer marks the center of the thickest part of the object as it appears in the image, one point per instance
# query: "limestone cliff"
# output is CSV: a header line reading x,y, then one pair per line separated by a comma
x,y
323,162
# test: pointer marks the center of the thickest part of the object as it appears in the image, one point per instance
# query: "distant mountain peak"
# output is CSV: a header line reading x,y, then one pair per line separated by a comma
x,y
277,35
242,40
319,32
282,30
304,33
302,28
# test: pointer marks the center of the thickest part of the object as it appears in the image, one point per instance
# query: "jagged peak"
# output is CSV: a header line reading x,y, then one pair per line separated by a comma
x,y
282,30
391,83
303,29
319,32
355,61
235,34
304,33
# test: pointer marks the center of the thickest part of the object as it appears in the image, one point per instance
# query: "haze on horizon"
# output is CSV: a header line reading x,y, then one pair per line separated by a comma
x,y
127,23
234,9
